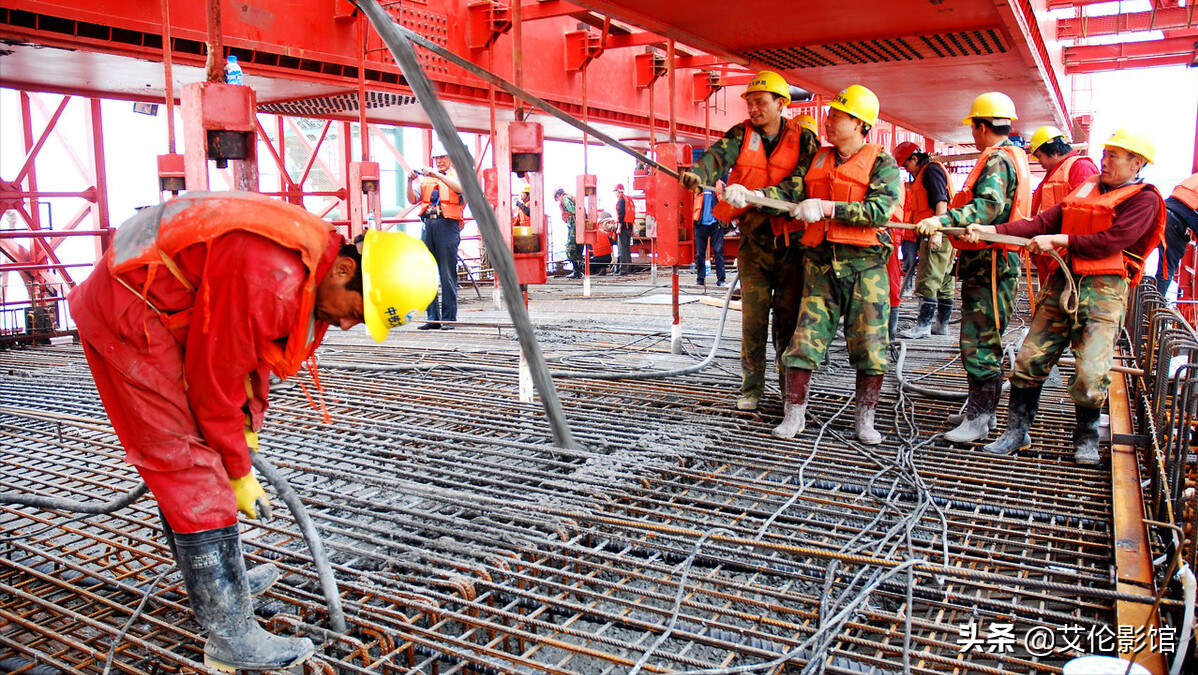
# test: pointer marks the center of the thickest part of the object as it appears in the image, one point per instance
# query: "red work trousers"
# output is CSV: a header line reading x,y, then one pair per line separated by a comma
x,y
138,367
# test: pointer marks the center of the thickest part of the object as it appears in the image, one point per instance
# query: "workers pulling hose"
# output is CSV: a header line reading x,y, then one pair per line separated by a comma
x,y
197,302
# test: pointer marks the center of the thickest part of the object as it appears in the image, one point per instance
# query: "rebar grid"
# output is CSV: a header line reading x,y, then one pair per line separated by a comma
x,y
464,542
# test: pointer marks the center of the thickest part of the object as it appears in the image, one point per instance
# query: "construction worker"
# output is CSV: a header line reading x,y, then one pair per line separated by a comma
x,y
1182,219
600,254
1065,169
929,195
768,152
573,250
1105,227
708,230
996,191
196,303
441,207
626,220
852,190
522,216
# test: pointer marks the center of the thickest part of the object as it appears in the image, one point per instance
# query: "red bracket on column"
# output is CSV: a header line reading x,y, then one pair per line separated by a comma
x,y
649,67
581,48
706,84
486,21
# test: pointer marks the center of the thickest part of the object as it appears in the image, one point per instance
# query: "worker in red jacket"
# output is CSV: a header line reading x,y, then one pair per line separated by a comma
x,y
1105,227
196,303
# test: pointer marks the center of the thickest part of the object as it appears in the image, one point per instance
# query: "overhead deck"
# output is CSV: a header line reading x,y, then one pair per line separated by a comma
x,y
926,60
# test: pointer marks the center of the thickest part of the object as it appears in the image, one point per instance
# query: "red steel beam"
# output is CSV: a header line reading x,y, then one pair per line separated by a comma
x,y
1128,55
1114,24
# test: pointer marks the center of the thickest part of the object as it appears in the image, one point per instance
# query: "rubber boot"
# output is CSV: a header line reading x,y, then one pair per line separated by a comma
x,y
794,418
747,402
892,325
868,388
1021,412
944,312
1085,436
923,322
981,406
260,578
214,573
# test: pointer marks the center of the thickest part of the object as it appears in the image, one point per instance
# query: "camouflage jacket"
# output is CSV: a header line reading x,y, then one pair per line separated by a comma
x,y
568,210
993,194
881,198
721,156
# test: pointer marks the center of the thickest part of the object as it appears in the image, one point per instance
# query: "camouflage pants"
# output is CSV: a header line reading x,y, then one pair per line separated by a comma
x,y
861,297
1090,335
573,250
985,308
933,276
771,282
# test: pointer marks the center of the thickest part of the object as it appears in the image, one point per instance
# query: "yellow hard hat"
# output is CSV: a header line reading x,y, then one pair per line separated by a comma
x,y
527,189
991,104
768,80
1133,141
858,102
1043,135
808,123
399,280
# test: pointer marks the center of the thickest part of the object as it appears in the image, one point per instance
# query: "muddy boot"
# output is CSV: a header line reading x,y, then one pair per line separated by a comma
x,y
748,402
794,418
923,322
944,312
1021,412
868,388
214,573
1085,436
260,578
981,406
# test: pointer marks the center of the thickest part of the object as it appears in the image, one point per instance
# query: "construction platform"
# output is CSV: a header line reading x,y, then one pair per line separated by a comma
x,y
681,536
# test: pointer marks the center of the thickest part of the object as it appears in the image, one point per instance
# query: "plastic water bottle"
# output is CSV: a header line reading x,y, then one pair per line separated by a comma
x,y
233,71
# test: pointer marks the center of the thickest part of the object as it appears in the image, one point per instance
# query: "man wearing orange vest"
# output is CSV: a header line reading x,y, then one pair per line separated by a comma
x,y
769,153
1182,206
1065,169
522,216
929,195
626,221
440,197
187,315
601,251
1106,226
996,191
708,230
853,189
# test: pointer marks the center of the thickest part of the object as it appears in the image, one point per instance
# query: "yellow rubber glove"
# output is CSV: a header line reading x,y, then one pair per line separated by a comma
x,y
251,498
928,225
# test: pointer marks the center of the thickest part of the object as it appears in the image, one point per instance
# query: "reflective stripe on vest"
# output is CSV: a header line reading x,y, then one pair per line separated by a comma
x,y
1187,192
451,203
1087,210
918,207
848,182
156,235
754,170
1020,209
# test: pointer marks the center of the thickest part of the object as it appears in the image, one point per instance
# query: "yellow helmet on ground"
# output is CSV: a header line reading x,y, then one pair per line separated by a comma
x,y
399,280
990,105
858,102
1043,135
1132,141
807,122
768,80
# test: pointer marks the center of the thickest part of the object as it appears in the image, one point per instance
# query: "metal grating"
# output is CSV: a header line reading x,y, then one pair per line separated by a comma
x,y
911,48
682,535
336,104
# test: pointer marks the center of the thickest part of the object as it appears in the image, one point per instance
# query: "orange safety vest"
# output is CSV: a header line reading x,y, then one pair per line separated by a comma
x,y
199,218
1087,210
1023,195
918,207
1055,186
602,244
451,202
754,170
845,183
522,218
629,209
1187,192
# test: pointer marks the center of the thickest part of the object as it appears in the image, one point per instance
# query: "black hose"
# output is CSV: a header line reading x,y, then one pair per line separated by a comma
x,y
328,583
58,504
15,664
500,253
